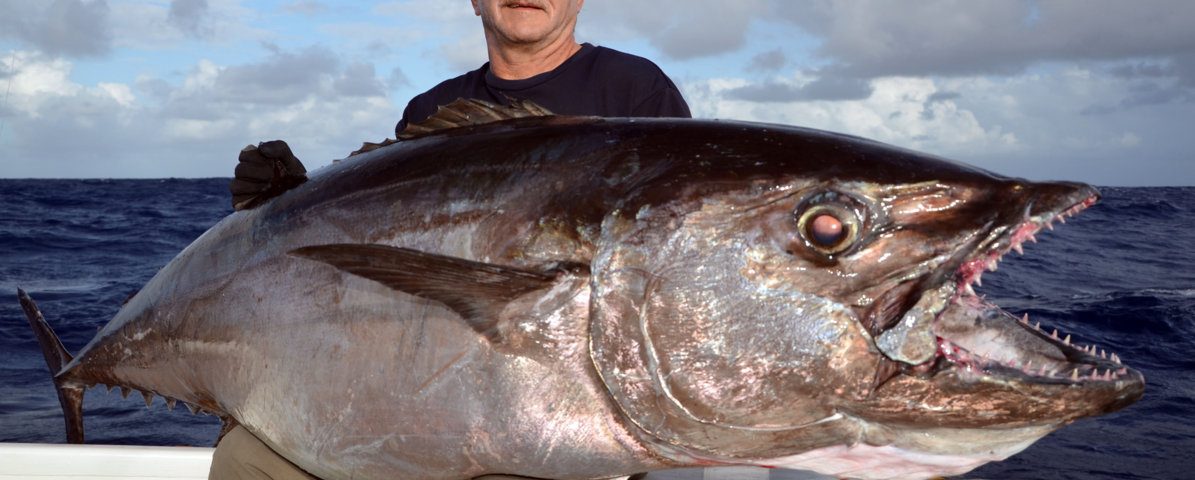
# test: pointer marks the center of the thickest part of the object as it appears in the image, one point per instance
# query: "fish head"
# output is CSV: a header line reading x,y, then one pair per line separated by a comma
x,y
814,294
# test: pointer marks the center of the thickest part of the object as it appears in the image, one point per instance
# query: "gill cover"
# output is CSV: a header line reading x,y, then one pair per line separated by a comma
x,y
704,351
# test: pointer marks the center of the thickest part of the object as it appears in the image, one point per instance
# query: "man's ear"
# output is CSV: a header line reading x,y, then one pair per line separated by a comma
x,y
476,10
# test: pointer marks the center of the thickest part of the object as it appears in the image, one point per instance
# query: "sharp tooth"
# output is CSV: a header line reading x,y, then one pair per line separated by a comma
x,y
1027,366
194,409
124,391
1032,238
991,266
1103,354
1036,326
1054,334
1050,226
170,402
1019,250
1061,219
968,290
149,399
1025,319
1042,371
1115,358
979,279
110,387
1075,374
1067,340
1122,371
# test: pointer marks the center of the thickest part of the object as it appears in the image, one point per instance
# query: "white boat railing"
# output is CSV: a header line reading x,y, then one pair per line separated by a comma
x,y
108,462
43,461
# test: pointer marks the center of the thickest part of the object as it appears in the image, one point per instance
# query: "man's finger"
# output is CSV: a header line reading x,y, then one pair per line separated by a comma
x,y
279,150
240,186
252,154
263,172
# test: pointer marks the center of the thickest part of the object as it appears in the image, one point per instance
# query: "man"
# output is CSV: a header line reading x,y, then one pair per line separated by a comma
x,y
533,55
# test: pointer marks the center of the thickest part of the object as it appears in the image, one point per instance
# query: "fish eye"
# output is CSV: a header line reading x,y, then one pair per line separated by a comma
x,y
827,224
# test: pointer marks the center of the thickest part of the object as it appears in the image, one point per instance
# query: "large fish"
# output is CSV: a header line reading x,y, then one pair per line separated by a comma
x,y
583,298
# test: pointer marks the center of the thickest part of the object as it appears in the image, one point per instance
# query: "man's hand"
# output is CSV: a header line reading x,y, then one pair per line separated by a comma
x,y
265,171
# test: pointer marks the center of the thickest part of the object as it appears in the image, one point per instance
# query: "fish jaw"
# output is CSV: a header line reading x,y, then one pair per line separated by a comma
x,y
990,368
888,462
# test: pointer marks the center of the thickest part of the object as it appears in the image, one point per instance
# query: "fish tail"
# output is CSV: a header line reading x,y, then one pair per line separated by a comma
x,y
70,395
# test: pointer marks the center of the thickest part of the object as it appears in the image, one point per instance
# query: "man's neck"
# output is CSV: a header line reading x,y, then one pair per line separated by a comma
x,y
516,62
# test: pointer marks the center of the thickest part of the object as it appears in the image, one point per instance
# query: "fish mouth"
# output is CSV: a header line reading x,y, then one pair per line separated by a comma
x,y
974,340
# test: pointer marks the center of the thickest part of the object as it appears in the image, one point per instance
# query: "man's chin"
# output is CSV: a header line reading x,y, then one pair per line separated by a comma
x,y
527,33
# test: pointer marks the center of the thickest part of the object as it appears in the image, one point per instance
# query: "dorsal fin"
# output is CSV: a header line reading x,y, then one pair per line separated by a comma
x,y
463,112
476,291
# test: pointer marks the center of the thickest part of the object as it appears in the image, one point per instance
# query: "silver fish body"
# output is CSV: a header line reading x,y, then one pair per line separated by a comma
x,y
584,298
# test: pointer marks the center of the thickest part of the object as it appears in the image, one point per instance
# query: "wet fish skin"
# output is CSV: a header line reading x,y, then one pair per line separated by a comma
x,y
587,298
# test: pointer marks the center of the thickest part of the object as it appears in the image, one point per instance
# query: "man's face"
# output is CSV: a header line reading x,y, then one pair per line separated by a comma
x,y
528,21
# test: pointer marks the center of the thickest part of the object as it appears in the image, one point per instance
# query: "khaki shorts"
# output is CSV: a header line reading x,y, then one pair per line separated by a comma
x,y
241,456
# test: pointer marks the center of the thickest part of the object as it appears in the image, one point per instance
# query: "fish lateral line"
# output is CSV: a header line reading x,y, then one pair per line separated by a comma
x,y
477,291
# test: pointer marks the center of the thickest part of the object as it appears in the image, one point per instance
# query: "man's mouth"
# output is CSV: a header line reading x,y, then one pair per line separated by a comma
x,y
522,5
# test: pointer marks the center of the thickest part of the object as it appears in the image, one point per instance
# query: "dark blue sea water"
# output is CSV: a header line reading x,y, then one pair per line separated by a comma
x,y
1121,275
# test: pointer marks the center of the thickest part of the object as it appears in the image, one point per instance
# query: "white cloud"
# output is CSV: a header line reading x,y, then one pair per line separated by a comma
x,y
876,37
155,26
1100,88
37,79
457,43
193,129
1129,139
680,29
900,110
58,27
119,92
190,16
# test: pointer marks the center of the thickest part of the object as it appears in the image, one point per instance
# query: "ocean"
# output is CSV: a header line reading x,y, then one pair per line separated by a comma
x,y
1121,275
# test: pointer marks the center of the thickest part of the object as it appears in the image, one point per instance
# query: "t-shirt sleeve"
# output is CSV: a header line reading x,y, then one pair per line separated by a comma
x,y
651,92
412,114
665,102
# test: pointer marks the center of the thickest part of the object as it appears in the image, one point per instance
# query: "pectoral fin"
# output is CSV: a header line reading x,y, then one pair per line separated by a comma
x,y
476,291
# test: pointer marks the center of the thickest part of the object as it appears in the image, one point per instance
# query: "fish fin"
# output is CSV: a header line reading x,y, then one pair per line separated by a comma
x,y
463,112
70,395
371,146
476,291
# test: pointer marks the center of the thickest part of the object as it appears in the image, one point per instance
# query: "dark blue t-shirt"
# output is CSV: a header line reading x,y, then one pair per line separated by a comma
x,y
594,81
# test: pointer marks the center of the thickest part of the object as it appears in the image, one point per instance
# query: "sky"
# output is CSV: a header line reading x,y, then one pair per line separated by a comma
x,y
1101,91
